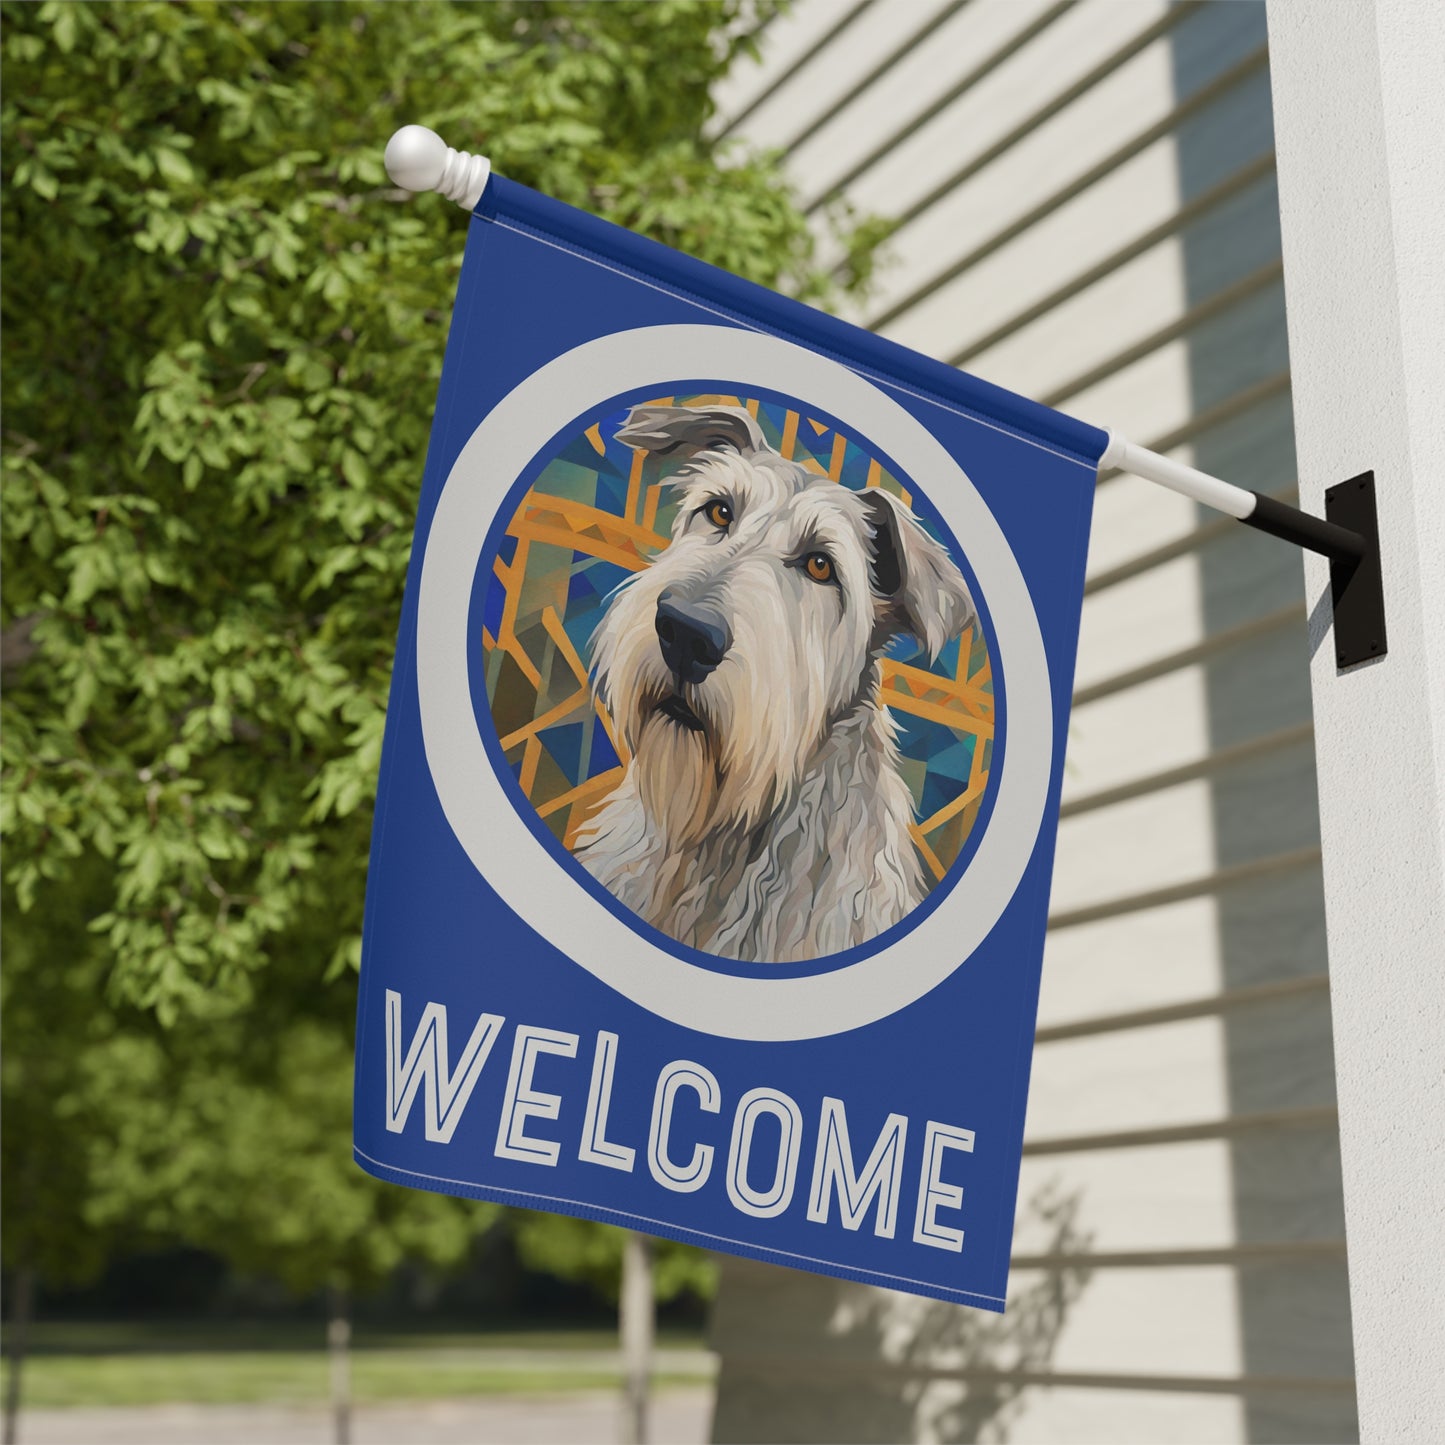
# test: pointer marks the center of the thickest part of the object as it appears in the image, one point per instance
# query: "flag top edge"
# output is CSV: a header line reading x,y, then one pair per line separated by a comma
x,y
511,202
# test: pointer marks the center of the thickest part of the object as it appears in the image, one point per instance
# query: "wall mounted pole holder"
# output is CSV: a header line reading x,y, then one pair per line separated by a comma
x,y
1350,537
1348,534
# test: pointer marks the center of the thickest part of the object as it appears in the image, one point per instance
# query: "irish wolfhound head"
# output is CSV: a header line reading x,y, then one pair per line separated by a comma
x,y
728,663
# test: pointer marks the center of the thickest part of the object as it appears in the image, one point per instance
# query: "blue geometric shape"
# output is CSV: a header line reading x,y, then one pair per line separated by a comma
x,y
564,745
493,606
604,756
954,758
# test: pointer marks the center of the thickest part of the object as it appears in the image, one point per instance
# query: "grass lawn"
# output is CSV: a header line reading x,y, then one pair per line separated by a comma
x,y
118,1365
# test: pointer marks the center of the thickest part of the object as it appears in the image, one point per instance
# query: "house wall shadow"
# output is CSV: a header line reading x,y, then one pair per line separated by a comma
x,y
1294,1309
807,1358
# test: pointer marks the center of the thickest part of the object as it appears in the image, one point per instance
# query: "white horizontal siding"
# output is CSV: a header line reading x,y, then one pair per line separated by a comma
x,y
1137,1079
911,87
915,110
1132,517
994,108
1160,1321
1175,1204
1153,841
1055,1415
1098,319
1157,725
1140,960
787,42
1108,243
833,74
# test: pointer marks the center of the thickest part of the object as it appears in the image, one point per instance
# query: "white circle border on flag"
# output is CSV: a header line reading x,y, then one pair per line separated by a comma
x,y
515,862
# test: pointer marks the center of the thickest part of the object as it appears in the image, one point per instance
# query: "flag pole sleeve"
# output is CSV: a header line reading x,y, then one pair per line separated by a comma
x,y
418,159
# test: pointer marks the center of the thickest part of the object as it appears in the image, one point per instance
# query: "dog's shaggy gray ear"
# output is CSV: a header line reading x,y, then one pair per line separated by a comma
x,y
919,589
691,429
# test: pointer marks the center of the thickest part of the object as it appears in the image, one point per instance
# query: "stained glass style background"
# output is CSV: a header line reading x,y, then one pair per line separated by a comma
x,y
600,511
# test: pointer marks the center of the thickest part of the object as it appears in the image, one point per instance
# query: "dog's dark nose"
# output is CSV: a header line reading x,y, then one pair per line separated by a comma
x,y
694,637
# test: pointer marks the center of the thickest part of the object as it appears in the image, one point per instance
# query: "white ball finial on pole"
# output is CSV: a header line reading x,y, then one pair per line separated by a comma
x,y
418,159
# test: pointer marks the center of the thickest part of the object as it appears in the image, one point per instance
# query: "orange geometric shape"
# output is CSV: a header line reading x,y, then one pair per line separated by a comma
x,y
531,756
929,856
550,718
920,683
953,809
950,717
790,435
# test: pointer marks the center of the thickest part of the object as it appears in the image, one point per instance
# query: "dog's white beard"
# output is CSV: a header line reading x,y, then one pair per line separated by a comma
x,y
676,780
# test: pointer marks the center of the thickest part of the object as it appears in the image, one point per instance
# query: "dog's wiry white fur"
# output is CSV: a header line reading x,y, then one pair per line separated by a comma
x,y
778,831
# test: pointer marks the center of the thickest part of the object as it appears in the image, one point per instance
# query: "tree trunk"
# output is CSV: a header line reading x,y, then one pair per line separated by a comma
x,y
338,1344
635,1323
21,1309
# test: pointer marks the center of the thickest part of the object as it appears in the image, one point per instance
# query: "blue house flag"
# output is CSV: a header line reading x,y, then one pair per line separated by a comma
x,y
721,775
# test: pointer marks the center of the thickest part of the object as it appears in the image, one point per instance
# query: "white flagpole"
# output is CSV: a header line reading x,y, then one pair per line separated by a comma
x,y
1222,496
1254,509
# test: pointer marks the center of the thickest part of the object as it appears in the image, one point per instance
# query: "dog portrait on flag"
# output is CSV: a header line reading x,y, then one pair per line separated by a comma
x,y
720,779
739,672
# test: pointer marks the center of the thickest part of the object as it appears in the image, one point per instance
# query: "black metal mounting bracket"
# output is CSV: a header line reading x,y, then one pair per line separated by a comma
x,y
1357,588
1349,535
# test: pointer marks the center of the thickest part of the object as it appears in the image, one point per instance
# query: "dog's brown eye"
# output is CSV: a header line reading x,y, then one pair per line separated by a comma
x,y
819,566
719,514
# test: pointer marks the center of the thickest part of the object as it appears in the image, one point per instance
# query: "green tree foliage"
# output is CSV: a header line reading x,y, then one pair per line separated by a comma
x,y
582,1250
246,1152
223,331
48,988
232,1133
